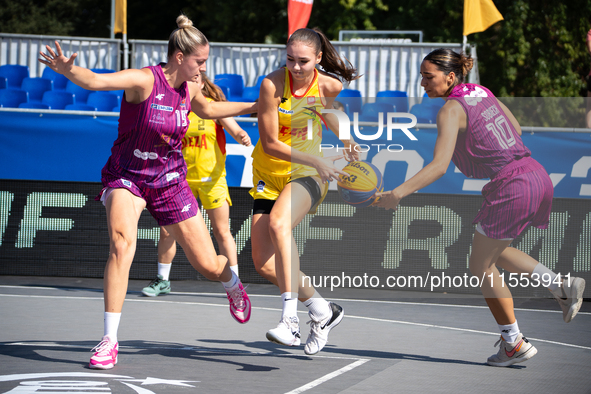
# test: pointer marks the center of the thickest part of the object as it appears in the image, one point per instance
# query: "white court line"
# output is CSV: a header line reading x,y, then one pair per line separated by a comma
x,y
334,299
327,377
301,312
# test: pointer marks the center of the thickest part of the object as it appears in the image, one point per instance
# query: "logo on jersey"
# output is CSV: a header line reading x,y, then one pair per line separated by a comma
x,y
260,187
475,96
126,183
311,100
186,208
157,118
161,107
145,155
171,175
160,96
184,103
285,111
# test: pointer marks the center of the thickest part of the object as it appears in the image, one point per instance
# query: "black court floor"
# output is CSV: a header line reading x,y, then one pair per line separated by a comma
x,y
187,342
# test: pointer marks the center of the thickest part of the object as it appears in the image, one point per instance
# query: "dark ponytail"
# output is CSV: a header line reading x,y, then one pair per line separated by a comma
x,y
331,60
447,60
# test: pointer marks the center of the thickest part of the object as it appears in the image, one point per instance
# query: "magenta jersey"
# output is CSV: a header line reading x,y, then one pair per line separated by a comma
x,y
148,149
490,141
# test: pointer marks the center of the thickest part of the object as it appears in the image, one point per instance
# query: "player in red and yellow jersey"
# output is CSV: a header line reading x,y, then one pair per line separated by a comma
x,y
290,176
204,150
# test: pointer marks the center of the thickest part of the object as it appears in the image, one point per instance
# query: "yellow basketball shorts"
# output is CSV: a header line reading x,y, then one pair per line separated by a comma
x,y
212,194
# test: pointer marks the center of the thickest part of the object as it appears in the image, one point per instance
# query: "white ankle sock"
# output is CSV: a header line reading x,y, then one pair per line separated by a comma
x,y
509,332
290,305
234,269
112,324
232,282
318,306
164,270
541,270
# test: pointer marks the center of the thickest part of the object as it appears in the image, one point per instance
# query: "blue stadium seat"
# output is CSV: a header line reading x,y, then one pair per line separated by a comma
x,y
351,99
80,93
80,107
425,113
233,81
370,111
225,91
36,87
251,93
59,81
103,101
57,99
435,102
397,98
102,70
34,105
13,97
3,83
14,75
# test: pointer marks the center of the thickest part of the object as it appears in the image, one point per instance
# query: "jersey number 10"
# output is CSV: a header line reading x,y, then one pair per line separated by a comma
x,y
501,129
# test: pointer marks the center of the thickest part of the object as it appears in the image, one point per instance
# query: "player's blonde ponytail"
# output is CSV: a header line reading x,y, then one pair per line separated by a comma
x,y
186,38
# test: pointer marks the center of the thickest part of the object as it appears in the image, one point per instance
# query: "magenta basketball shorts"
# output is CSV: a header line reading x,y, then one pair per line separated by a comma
x,y
168,205
518,196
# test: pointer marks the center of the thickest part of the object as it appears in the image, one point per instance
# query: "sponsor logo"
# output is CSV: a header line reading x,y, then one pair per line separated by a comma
x,y
145,155
186,208
160,96
126,183
260,187
285,111
172,175
157,118
311,100
475,96
161,107
87,382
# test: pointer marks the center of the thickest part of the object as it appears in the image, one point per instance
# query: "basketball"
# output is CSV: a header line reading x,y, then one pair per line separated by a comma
x,y
364,180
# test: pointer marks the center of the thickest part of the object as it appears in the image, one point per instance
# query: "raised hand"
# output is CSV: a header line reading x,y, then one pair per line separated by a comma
x,y
56,59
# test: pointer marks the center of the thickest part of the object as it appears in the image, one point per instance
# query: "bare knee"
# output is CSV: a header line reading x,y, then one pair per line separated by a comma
x,y
279,228
222,233
122,245
213,269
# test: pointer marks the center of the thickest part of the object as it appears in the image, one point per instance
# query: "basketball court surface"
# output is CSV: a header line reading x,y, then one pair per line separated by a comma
x,y
187,342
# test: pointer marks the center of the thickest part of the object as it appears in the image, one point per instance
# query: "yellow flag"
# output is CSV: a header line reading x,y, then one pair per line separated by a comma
x,y
120,17
479,15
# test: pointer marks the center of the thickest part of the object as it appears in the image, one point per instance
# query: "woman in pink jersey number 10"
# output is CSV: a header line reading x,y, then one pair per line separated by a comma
x,y
146,169
483,139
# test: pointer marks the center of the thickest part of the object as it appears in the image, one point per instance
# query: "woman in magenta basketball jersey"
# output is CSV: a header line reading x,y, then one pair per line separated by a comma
x,y
483,139
146,169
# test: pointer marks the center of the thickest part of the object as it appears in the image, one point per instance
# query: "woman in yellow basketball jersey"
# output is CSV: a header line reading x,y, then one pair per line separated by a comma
x,y
204,150
290,176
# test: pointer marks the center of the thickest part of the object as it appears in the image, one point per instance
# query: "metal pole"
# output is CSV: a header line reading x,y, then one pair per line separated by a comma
x,y
112,26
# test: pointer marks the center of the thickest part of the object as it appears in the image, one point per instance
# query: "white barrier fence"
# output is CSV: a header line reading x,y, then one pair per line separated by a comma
x,y
24,50
384,66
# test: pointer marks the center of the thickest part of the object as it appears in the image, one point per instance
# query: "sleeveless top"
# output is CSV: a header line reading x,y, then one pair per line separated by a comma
x,y
294,112
490,141
147,150
204,149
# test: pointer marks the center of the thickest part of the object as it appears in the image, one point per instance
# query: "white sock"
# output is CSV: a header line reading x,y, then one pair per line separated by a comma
x,y
232,282
318,306
509,332
541,270
112,325
234,269
164,270
290,305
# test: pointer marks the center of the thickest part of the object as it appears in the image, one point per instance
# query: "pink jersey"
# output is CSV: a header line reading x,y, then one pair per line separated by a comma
x,y
148,149
490,141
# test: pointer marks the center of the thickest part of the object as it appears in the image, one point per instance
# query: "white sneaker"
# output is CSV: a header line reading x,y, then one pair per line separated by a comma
x,y
319,329
286,333
570,297
512,352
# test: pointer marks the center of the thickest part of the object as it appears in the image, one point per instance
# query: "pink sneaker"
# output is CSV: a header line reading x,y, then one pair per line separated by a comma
x,y
239,304
105,356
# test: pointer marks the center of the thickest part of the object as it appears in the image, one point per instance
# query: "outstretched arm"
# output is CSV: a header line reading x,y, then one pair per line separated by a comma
x,y
449,119
234,129
217,109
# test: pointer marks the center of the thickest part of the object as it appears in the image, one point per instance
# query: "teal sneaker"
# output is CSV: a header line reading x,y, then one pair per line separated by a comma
x,y
157,287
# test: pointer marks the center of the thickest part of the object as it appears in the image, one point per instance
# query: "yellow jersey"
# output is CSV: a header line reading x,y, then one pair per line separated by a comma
x,y
294,112
204,150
